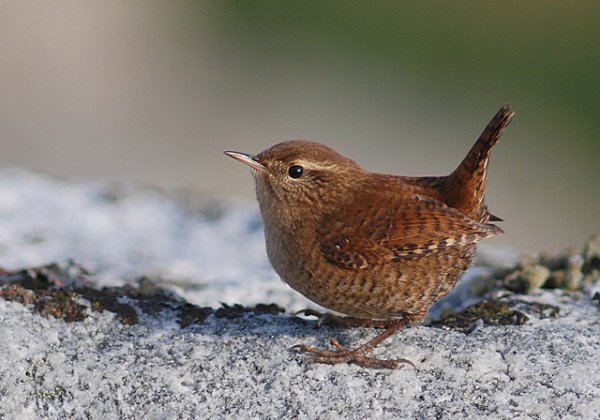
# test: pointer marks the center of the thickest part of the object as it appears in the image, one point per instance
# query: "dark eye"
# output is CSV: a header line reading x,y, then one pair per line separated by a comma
x,y
295,171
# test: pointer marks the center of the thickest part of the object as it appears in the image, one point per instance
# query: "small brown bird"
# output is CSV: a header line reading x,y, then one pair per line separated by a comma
x,y
378,248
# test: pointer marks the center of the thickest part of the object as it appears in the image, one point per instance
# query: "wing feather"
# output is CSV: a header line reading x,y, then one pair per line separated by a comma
x,y
356,237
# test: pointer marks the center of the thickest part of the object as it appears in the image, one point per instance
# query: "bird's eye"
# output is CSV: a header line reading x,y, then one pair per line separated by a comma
x,y
295,171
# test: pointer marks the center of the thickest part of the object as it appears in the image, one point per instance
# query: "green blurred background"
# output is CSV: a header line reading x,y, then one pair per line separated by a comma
x,y
154,91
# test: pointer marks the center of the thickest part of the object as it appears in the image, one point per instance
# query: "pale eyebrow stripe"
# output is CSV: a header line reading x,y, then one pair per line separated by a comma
x,y
312,165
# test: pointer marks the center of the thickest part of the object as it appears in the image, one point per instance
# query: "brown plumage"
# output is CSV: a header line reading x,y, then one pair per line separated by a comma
x,y
379,248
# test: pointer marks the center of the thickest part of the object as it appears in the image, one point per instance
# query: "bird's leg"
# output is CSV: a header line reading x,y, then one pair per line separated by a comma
x,y
345,321
358,356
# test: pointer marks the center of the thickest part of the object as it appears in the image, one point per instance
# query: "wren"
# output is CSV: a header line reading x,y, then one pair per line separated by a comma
x,y
377,248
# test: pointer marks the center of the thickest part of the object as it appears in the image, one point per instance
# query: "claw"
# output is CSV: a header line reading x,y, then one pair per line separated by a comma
x,y
359,355
337,345
342,355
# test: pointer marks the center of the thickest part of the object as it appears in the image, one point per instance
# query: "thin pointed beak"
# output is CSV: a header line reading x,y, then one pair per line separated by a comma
x,y
248,160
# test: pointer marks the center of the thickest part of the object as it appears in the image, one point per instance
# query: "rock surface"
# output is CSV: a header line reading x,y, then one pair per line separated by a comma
x,y
158,343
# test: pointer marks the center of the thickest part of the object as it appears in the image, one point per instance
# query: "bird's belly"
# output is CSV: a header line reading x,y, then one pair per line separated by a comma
x,y
392,290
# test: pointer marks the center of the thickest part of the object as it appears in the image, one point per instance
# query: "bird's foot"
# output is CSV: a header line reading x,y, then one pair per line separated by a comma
x,y
343,355
345,321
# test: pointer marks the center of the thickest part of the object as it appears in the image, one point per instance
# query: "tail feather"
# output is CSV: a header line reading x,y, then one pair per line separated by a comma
x,y
494,218
476,159
468,181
